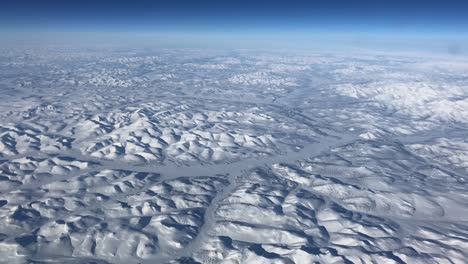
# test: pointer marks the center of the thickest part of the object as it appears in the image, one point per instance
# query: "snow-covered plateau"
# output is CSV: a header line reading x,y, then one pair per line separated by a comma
x,y
119,155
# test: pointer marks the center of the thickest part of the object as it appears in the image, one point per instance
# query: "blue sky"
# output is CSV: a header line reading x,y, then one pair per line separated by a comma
x,y
192,15
241,19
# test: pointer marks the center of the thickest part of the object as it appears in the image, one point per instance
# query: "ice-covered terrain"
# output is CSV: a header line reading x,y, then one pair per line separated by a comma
x,y
118,155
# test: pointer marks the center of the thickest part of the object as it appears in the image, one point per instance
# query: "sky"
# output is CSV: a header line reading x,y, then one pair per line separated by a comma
x,y
359,20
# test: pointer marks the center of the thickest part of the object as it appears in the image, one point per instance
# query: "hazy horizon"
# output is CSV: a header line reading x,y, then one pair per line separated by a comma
x,y
383,25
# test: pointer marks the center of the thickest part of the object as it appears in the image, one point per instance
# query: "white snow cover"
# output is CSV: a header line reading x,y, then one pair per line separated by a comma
x,y
261,78
194,156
